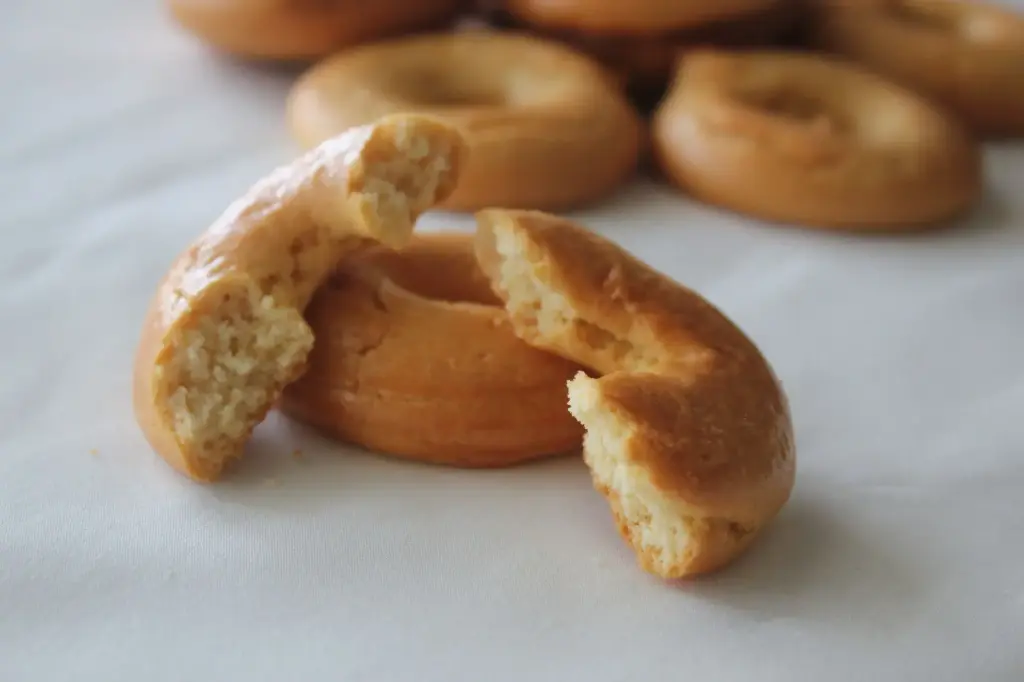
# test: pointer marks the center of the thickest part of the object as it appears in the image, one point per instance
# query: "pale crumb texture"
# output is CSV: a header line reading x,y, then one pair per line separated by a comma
x,y
226,371
670,537
647,519
402,176
661,535
546,318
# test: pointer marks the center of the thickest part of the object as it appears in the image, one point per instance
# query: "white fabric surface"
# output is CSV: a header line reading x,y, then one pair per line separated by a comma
x,y
899,557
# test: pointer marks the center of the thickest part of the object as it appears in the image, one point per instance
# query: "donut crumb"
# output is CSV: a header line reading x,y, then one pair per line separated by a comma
x,y
536,306
403,175
648,519
228,367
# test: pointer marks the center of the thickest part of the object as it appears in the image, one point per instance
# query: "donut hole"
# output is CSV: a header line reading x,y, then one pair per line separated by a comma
x,y
795,104
435,87
438,267
228,367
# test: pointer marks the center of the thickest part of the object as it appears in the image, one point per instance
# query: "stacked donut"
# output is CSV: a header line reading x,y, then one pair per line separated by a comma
x,y
313,294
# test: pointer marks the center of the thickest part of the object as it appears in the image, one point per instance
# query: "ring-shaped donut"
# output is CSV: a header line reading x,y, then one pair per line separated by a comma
x,y
968,56
639,17
415,357
305,29
224,332
688,431
641,47
810,140
546,127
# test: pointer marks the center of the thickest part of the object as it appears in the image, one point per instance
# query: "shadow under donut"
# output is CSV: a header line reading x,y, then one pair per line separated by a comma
x,y
813,564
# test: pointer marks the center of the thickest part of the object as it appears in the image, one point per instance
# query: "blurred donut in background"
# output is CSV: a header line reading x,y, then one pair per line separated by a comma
x,y
306,29
967,56
640,42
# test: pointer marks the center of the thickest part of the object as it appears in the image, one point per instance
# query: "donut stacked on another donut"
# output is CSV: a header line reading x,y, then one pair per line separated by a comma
x,y
641,40
310,293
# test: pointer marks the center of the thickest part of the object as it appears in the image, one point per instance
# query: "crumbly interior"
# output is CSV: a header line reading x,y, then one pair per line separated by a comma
x,y
663,532
228,368
547,316
661,535
402,179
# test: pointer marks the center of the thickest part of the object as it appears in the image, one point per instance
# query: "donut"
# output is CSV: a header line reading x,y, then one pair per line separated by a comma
x,y
305,29
688,431
639,18
644,58
415,358
545,125
224,332
813,141
968,56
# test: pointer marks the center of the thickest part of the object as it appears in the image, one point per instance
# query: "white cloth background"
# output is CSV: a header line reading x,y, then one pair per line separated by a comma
x,y
899,558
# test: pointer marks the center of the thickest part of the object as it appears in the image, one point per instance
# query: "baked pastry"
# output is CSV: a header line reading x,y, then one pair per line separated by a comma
x,y
967,56
806,139
305,29
545,125
224,332
414,357
641,41
688,431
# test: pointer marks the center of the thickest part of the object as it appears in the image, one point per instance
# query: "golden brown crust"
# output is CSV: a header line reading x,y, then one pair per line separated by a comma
x,y
545,125
305,29
415,358
640,17
968,56
702,417
645,61
715,542
265,256
810,140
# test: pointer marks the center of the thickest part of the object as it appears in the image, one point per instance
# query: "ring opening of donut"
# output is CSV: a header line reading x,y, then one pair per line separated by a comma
x,y
797,105
433,85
